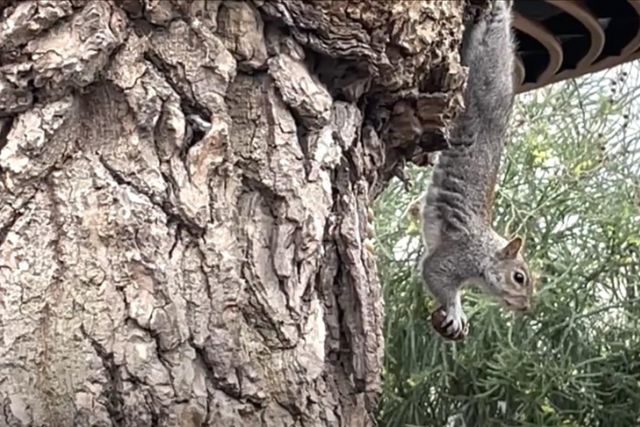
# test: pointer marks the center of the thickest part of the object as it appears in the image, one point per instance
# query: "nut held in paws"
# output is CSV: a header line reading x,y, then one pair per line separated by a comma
x,y
437,319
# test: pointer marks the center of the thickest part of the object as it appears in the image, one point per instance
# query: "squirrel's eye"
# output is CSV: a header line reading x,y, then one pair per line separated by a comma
x,y
518,277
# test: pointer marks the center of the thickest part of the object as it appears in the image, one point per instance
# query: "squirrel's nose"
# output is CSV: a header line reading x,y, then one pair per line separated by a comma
x,y
527,308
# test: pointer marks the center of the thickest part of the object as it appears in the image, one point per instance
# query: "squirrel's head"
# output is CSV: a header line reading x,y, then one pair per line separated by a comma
x,y
507,277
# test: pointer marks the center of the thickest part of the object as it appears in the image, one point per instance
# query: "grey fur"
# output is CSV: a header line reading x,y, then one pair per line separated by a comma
x,y
462,246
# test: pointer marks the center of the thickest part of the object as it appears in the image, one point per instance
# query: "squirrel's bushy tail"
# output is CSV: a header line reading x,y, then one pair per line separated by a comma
x,y
464,179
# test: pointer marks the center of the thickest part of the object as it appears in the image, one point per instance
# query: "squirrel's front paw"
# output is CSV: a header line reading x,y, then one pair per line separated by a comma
x,y
450,324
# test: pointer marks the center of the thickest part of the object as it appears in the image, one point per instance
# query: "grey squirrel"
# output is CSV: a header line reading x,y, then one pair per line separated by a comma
x,y
462,246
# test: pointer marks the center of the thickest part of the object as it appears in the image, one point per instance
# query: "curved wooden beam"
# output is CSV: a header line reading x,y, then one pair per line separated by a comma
x,y
519,72
630,52
634,44
546,38
570,74
578,10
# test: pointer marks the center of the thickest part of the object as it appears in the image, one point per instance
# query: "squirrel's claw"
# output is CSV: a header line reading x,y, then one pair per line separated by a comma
x,y
455,326
450,324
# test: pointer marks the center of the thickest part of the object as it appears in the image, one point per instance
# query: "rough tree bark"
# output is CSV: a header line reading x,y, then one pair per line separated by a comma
x,y
184,203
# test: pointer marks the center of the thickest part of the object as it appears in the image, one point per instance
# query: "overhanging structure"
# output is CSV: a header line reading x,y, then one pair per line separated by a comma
x,y
562,39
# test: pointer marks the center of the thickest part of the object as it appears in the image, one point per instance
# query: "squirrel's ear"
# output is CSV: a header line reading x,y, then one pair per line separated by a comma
x,y
512,249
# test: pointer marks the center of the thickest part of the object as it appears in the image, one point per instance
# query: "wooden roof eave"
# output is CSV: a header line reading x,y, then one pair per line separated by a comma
x,y
548,41
630,52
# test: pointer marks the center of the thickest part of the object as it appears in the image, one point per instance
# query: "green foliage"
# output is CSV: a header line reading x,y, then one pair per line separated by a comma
x,y
570,185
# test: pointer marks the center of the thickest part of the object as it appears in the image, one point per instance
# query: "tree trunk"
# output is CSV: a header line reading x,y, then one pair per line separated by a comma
x,y
185,236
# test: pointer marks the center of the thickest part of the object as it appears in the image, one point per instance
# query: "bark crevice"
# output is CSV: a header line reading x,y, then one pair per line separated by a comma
x,y
113,389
